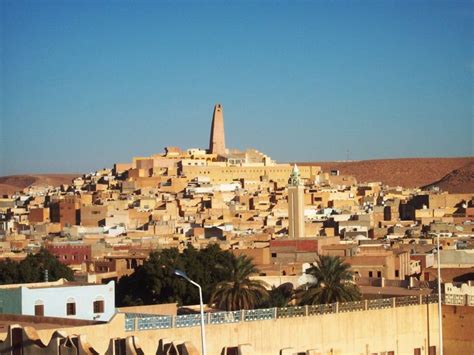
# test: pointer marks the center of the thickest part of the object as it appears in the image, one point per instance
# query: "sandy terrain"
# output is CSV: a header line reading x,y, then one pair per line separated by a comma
x,y
13,183
409,172
458,181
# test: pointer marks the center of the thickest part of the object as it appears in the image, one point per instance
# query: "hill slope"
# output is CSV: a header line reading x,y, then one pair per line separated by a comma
x,y
13,183
455,175
458,181
406,172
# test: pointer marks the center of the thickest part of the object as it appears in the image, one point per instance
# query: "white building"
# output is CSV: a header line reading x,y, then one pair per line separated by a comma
x,y
462,295
59,299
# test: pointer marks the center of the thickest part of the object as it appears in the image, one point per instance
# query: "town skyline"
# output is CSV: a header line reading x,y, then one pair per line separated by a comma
x,y
300,82
260,240
236,177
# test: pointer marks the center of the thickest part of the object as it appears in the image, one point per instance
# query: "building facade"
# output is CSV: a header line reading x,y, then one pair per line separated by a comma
x,y
59,299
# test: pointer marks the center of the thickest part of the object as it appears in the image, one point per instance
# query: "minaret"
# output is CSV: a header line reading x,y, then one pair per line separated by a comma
x,y
296,227
217,141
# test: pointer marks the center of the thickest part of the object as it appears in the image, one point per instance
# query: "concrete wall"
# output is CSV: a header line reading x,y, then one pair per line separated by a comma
x,y
400,329
457,329
455,258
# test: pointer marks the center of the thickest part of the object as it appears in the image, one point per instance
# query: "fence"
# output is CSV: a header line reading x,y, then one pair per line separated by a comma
x,y
136,321
458,300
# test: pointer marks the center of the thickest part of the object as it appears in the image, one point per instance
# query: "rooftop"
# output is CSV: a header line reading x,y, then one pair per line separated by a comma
x,y
58,283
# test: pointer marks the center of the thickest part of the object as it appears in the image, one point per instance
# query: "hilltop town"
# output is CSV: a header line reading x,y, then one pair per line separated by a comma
x,y
103,225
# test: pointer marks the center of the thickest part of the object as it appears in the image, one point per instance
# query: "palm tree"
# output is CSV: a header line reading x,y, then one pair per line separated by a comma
x,y
237,291
280,296
333,283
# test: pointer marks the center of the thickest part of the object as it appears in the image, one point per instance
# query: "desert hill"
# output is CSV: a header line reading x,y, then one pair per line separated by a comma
x,y
458,181
13,183
455,175
410,172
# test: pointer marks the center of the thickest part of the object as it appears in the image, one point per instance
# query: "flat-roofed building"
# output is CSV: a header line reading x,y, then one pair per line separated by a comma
x,y
59,299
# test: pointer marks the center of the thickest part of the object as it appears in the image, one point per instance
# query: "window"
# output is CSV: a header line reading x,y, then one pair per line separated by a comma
x,y
370,274
397,273
99,306
379,274
71,307
39,308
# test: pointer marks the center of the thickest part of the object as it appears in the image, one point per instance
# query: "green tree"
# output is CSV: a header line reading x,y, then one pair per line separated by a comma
x,y
154,282
237,291
32,269
9,272
279,296
333,283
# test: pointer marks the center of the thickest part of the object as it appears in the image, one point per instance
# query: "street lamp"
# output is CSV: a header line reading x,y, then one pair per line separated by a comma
x,y
440,321
203,333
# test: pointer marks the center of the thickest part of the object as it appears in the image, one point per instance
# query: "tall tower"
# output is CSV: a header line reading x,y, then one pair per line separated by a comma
x,y
295,206
217,141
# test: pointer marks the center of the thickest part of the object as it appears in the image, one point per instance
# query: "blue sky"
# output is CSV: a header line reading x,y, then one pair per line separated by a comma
x,y
85,84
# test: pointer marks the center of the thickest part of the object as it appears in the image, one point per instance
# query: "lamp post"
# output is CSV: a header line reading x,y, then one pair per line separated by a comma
x,y
440,315
203,333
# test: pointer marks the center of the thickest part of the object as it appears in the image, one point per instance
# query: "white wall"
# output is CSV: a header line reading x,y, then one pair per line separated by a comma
x,y
54,300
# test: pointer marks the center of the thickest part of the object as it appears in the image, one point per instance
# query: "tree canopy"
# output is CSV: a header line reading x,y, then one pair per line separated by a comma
x,y
32,269
154,281
280,296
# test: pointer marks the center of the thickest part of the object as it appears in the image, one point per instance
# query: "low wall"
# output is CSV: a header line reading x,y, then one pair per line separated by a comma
x,y
398,329
165,308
